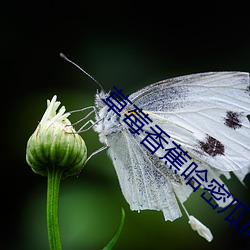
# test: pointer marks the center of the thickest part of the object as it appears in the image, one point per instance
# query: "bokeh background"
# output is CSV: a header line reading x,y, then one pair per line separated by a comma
x,y
126,44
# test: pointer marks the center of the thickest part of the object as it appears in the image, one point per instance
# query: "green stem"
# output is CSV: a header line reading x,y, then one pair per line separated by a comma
x,y
54,177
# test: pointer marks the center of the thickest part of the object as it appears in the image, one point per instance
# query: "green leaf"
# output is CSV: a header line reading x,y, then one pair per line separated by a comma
x,y
117,234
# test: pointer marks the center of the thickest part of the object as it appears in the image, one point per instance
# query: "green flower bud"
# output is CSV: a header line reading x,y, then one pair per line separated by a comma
x,y
55,144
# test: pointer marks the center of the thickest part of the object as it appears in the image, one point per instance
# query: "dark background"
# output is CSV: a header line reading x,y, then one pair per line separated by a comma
x,y
126,44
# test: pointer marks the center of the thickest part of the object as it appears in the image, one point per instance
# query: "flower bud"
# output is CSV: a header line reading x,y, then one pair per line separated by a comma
x,y
55,144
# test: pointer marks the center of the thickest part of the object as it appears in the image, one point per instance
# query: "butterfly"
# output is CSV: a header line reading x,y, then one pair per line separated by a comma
x,y
207,117
205,113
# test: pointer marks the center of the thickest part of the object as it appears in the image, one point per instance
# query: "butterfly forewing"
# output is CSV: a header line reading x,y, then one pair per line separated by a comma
x,y
206,113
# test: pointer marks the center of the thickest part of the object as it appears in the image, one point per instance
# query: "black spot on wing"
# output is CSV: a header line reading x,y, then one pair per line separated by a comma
x,y
233,119
212,146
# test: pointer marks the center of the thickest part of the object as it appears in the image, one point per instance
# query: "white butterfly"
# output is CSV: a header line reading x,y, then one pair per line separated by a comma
x,y
205,113
208,114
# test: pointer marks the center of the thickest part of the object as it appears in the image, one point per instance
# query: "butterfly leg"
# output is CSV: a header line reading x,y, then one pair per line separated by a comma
x,y
92,154
86,116
81,129
95,152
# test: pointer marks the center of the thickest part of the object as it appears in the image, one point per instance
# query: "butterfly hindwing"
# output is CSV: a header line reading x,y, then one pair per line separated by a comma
x,y
145,181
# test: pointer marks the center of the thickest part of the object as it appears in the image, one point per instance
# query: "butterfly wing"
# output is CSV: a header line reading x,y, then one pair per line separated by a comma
x,y
145,181
206,113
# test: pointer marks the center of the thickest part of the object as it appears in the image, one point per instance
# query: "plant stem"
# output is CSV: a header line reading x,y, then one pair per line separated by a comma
x,y
54,177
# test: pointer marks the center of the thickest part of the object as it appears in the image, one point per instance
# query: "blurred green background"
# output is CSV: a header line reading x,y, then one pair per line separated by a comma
x,y
124,44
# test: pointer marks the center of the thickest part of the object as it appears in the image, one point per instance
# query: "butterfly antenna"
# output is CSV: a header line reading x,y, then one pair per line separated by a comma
x,y
86,73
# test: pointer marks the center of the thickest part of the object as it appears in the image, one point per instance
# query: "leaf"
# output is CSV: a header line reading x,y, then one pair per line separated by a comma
x,y
117,234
